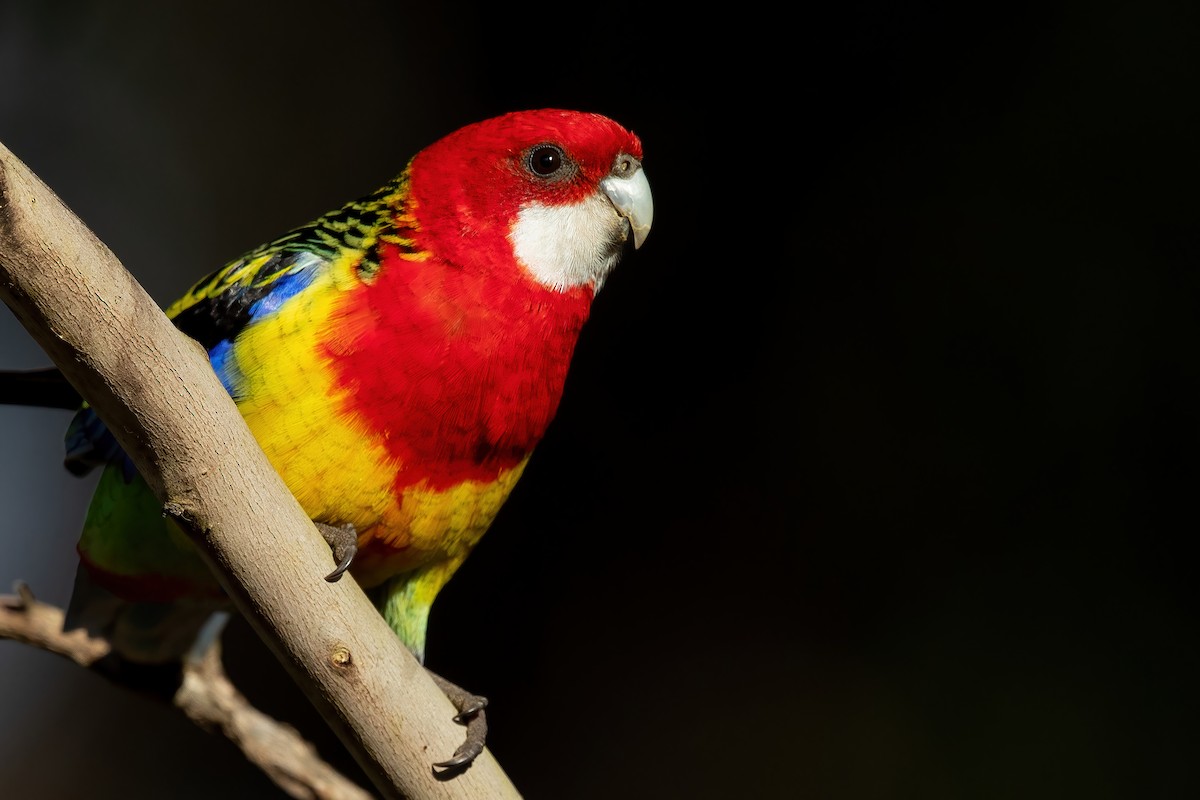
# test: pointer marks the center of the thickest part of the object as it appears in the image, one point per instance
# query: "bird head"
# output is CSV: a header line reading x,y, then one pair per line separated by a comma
x,y
549,194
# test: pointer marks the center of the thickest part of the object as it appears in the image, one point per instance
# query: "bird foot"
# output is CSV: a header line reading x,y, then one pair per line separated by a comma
x,y
471,713
343,541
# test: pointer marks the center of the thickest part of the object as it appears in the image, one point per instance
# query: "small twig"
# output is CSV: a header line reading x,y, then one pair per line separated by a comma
x,y
30,621
205,695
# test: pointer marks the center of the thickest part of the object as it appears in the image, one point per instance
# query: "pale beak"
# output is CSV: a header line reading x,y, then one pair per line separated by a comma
x,y
630,195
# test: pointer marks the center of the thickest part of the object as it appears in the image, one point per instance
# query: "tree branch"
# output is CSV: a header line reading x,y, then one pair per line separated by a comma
x,y
157,393
205,694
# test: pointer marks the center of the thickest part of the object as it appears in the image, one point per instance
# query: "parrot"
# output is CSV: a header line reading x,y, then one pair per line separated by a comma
x,y
397,359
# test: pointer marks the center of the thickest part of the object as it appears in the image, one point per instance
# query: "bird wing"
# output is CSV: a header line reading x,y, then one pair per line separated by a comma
x,y
220,306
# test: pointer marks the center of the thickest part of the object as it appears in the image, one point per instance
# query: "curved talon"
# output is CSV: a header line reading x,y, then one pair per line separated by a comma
x,y
470,749
465,715
463,757
344,564
343,541
470,708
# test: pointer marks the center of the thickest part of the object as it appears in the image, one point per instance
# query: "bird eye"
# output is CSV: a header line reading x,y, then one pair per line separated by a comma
x,y
546,160
625,166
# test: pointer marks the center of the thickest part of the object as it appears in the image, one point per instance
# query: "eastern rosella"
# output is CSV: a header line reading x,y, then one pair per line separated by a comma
x,y
397,359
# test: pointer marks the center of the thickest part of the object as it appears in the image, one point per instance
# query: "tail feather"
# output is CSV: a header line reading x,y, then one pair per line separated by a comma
x,y
140,632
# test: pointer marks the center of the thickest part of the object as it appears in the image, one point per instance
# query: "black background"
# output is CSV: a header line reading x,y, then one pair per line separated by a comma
x,y
876,467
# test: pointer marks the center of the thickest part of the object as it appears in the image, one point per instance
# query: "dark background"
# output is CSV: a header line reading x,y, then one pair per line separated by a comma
x,y
875,471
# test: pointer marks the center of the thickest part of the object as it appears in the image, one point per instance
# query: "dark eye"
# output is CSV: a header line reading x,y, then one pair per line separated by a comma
x,y
546,160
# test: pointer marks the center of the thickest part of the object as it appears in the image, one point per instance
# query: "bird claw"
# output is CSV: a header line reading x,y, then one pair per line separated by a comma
x,y
471,713
343,541
466,753
467,714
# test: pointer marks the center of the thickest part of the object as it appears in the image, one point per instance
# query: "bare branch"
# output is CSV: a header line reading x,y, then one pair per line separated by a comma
x,y
25,619
205,695
158,394
211,701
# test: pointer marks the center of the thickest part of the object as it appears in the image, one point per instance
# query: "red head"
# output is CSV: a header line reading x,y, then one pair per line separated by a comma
x,y
554,193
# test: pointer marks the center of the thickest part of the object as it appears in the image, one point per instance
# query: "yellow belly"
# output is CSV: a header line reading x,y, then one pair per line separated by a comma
x,y
336,471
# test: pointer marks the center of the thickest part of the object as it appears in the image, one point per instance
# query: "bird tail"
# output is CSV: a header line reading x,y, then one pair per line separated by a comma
x,y
141,632
38,387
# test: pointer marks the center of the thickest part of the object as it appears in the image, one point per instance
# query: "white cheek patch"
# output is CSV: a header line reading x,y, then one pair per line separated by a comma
x,y
565,246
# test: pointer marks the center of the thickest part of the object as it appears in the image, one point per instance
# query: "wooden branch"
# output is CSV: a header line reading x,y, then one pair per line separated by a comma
x,y
205,695
157,393
211,701
25,619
